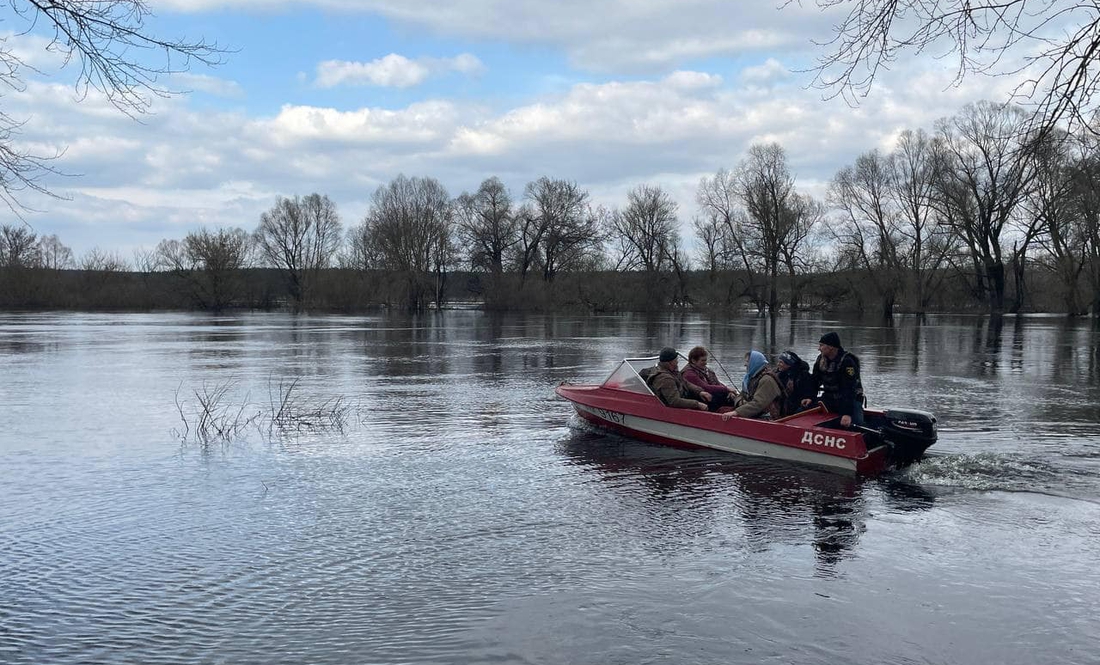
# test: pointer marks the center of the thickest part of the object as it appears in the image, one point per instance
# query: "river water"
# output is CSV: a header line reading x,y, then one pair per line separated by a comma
x,y
461,513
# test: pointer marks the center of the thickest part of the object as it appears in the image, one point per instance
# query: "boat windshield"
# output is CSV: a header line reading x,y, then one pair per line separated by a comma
x,y
625,377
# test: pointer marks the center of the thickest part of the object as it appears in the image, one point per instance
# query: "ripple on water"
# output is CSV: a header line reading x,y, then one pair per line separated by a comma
x,y
1011,472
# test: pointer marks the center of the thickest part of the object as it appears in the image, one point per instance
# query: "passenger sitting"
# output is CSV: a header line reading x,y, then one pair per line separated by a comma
x,y
797,383
761,394
665,382
699,374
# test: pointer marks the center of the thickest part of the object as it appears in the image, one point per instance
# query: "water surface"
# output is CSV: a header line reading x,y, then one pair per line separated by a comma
x,y
465,515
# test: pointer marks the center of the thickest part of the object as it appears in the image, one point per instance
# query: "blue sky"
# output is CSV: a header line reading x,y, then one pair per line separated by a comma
x,y
338,97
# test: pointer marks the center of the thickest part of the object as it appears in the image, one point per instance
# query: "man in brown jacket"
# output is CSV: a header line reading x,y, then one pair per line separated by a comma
x,y
666,383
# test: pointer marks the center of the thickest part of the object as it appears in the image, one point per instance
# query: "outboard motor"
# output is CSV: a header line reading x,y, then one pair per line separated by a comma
x,y
908,432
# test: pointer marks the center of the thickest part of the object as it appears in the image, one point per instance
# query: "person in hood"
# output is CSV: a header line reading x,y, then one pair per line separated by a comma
x,y
665,382
836,374
761,393
794,376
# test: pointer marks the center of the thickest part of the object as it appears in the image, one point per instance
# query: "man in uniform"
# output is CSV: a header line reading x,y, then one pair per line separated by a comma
x,y
667,384
836,374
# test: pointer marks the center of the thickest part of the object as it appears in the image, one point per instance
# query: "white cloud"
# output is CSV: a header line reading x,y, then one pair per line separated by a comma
x,y
393,70
421,122
183,166
769,71
597,35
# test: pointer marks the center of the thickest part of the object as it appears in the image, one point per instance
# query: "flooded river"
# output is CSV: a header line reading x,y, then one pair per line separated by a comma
x,y
453,510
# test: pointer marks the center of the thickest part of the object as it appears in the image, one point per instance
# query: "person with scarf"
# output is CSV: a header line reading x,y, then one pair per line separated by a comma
x,y
761,392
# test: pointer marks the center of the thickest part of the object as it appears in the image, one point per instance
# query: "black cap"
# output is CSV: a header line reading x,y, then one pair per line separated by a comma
x,y
668,353
830,338
789,358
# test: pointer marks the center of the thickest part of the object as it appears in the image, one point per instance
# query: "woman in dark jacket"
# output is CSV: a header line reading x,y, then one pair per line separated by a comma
x,y
794,375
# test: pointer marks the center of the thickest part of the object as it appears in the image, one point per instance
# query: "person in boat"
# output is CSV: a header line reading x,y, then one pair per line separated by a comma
x,y
797,383
665,382
761,393
836,375
702,376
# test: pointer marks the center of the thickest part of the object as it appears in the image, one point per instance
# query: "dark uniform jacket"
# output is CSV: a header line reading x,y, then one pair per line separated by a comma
x,y
671,389
839,382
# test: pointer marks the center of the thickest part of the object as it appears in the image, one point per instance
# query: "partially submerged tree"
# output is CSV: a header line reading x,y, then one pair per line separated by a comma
x,y
987,170
777,217
648,241
300,237
210,264
647,230
888,230
487,225
558,229
408,231
915,170
723,230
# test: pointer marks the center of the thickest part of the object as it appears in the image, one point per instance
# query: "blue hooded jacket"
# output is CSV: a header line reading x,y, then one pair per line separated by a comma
x,y
757,361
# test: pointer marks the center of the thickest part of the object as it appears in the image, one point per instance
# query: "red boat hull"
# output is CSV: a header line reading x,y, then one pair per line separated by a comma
x,y
801,438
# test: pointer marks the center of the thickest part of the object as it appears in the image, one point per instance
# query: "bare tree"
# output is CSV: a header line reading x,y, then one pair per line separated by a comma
x,y
726,221
708,232
18,247
1059,41
1086,177
804,217
145,260
53,254
765,187
558,228
648,240
487,225
408,231
300,237
868,232
103,261
1052,205
987,171
647,228
116,56
915,169
210,264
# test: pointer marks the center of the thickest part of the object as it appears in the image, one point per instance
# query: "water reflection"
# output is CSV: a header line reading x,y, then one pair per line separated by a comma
x,y
775,503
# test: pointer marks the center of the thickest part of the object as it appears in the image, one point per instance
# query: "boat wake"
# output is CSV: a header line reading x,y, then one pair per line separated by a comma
x,y
1007,473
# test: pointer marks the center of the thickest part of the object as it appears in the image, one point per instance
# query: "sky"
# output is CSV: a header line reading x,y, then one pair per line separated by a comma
x,y
339,97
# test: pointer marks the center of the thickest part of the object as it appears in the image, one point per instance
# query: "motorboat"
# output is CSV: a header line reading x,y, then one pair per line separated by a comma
x,y
624,404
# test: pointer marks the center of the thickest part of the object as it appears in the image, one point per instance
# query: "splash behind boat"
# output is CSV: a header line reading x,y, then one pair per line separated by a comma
x,y
624,404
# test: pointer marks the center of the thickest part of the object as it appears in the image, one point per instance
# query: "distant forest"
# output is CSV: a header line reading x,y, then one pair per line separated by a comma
x,y
983,213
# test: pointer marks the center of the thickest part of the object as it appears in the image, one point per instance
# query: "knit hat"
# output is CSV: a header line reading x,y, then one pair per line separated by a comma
x,y
668,353
830,338
789,358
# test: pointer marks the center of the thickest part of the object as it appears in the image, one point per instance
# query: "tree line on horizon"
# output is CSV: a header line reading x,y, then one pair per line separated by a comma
x,y
978,213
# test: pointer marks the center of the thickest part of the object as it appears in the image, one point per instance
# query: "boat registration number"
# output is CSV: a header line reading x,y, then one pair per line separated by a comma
x,y
610,415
